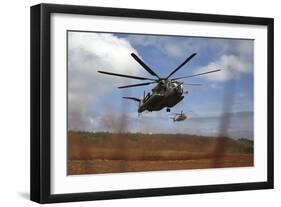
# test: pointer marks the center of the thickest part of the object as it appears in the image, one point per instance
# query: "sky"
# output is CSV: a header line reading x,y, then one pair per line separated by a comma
x,y
221,106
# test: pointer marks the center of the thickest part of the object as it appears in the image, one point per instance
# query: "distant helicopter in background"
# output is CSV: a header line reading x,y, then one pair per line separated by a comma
x,y
179,117
168,91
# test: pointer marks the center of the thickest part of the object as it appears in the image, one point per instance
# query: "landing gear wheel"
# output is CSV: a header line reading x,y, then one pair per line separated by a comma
x,y
168,109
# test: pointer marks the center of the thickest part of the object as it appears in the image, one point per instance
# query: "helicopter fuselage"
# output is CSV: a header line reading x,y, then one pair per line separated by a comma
x,y
167,93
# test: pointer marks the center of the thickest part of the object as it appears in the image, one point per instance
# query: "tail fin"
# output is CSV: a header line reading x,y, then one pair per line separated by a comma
x,y
132,98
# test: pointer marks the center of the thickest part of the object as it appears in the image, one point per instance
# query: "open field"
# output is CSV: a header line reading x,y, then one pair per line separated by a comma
x,y
90,153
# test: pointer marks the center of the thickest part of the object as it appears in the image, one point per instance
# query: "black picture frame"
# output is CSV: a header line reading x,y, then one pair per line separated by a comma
x,y
40,175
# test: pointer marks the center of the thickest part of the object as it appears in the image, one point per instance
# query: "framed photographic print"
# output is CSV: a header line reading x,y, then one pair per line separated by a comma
x,y
133,103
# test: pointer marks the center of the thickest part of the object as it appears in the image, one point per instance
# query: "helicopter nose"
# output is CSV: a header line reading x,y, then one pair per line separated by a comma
x,y
140,110
179,89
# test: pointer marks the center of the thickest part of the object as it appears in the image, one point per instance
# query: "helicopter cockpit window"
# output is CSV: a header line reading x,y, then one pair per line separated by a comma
x,y
158,89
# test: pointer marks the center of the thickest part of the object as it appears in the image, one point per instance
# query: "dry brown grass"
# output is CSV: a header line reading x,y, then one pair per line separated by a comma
x,y
107,153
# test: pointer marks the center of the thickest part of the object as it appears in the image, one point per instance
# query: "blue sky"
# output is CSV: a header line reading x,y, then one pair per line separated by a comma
x,y
95,103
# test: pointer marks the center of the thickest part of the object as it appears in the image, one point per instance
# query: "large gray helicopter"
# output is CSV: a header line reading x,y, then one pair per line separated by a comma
x,y
168,91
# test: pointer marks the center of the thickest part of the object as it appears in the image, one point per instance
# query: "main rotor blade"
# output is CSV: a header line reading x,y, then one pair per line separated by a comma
x,y
184,62
212,71
126,76
148,69
135,85
192,84
132,98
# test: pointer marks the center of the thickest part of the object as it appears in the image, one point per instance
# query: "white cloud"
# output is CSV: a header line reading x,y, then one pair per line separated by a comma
x,y
174,50
87,53
231,68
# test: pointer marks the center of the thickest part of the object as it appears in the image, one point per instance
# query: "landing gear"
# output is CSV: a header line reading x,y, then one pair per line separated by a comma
x,y
168,109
